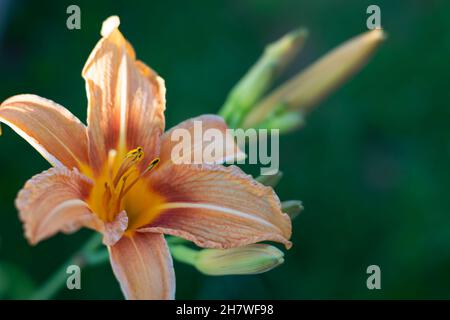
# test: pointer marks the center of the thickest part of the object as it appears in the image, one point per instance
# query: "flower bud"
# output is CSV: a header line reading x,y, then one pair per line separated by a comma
x,y
309,87
251,259
270,180
260,77
286,122
292,208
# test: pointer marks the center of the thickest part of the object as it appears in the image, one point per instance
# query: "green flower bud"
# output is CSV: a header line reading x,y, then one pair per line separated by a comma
x,y
260,77
285,122
251,259
309,87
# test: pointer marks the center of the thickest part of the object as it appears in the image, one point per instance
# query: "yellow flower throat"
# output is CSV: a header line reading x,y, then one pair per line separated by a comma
x,y
121,187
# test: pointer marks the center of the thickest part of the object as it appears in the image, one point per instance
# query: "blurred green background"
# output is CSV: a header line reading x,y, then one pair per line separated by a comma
x,y
371,165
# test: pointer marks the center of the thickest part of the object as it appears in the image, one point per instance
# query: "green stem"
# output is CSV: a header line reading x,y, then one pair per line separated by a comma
x,y
97,258
84,257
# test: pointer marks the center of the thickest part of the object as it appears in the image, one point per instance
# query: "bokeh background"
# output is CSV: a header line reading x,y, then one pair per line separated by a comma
x,y
371,165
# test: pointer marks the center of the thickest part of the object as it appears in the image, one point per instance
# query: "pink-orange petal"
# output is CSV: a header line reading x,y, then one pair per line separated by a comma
x,y
126,99
114,230
50,128
55,200
216,206
199,143
143,266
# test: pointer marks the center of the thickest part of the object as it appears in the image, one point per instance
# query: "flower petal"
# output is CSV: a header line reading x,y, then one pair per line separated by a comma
x,y
218,207
50,128
126,99
195,129
143,266
114,230
54,201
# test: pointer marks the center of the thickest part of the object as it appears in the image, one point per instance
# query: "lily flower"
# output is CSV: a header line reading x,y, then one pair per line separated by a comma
x,y
116,175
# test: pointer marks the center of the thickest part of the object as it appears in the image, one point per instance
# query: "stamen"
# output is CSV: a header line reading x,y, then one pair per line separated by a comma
x,y
117,188
133,157
107,196
111,159
122,188
121,194
152,165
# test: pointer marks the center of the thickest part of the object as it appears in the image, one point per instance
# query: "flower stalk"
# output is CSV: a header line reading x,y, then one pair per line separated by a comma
x,y
88,255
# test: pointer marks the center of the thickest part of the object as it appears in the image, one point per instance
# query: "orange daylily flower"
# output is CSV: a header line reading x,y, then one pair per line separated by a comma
x,y
106,175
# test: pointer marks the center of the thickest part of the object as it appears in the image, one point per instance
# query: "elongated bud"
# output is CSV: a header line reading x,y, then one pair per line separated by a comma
x,y
270,180
251,259
316,82
292,208
260,77
286,122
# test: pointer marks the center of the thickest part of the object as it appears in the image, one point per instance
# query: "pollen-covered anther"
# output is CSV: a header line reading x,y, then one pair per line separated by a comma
x,y
152,164
132,158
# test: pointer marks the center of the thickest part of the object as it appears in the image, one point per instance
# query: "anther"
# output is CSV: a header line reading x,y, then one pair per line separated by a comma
x,y
152,164
132,158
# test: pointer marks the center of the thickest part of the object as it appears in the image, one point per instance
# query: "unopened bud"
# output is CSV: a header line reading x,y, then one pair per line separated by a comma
x,y
251,259
261,76
286,122
292,208
270,180
309,87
